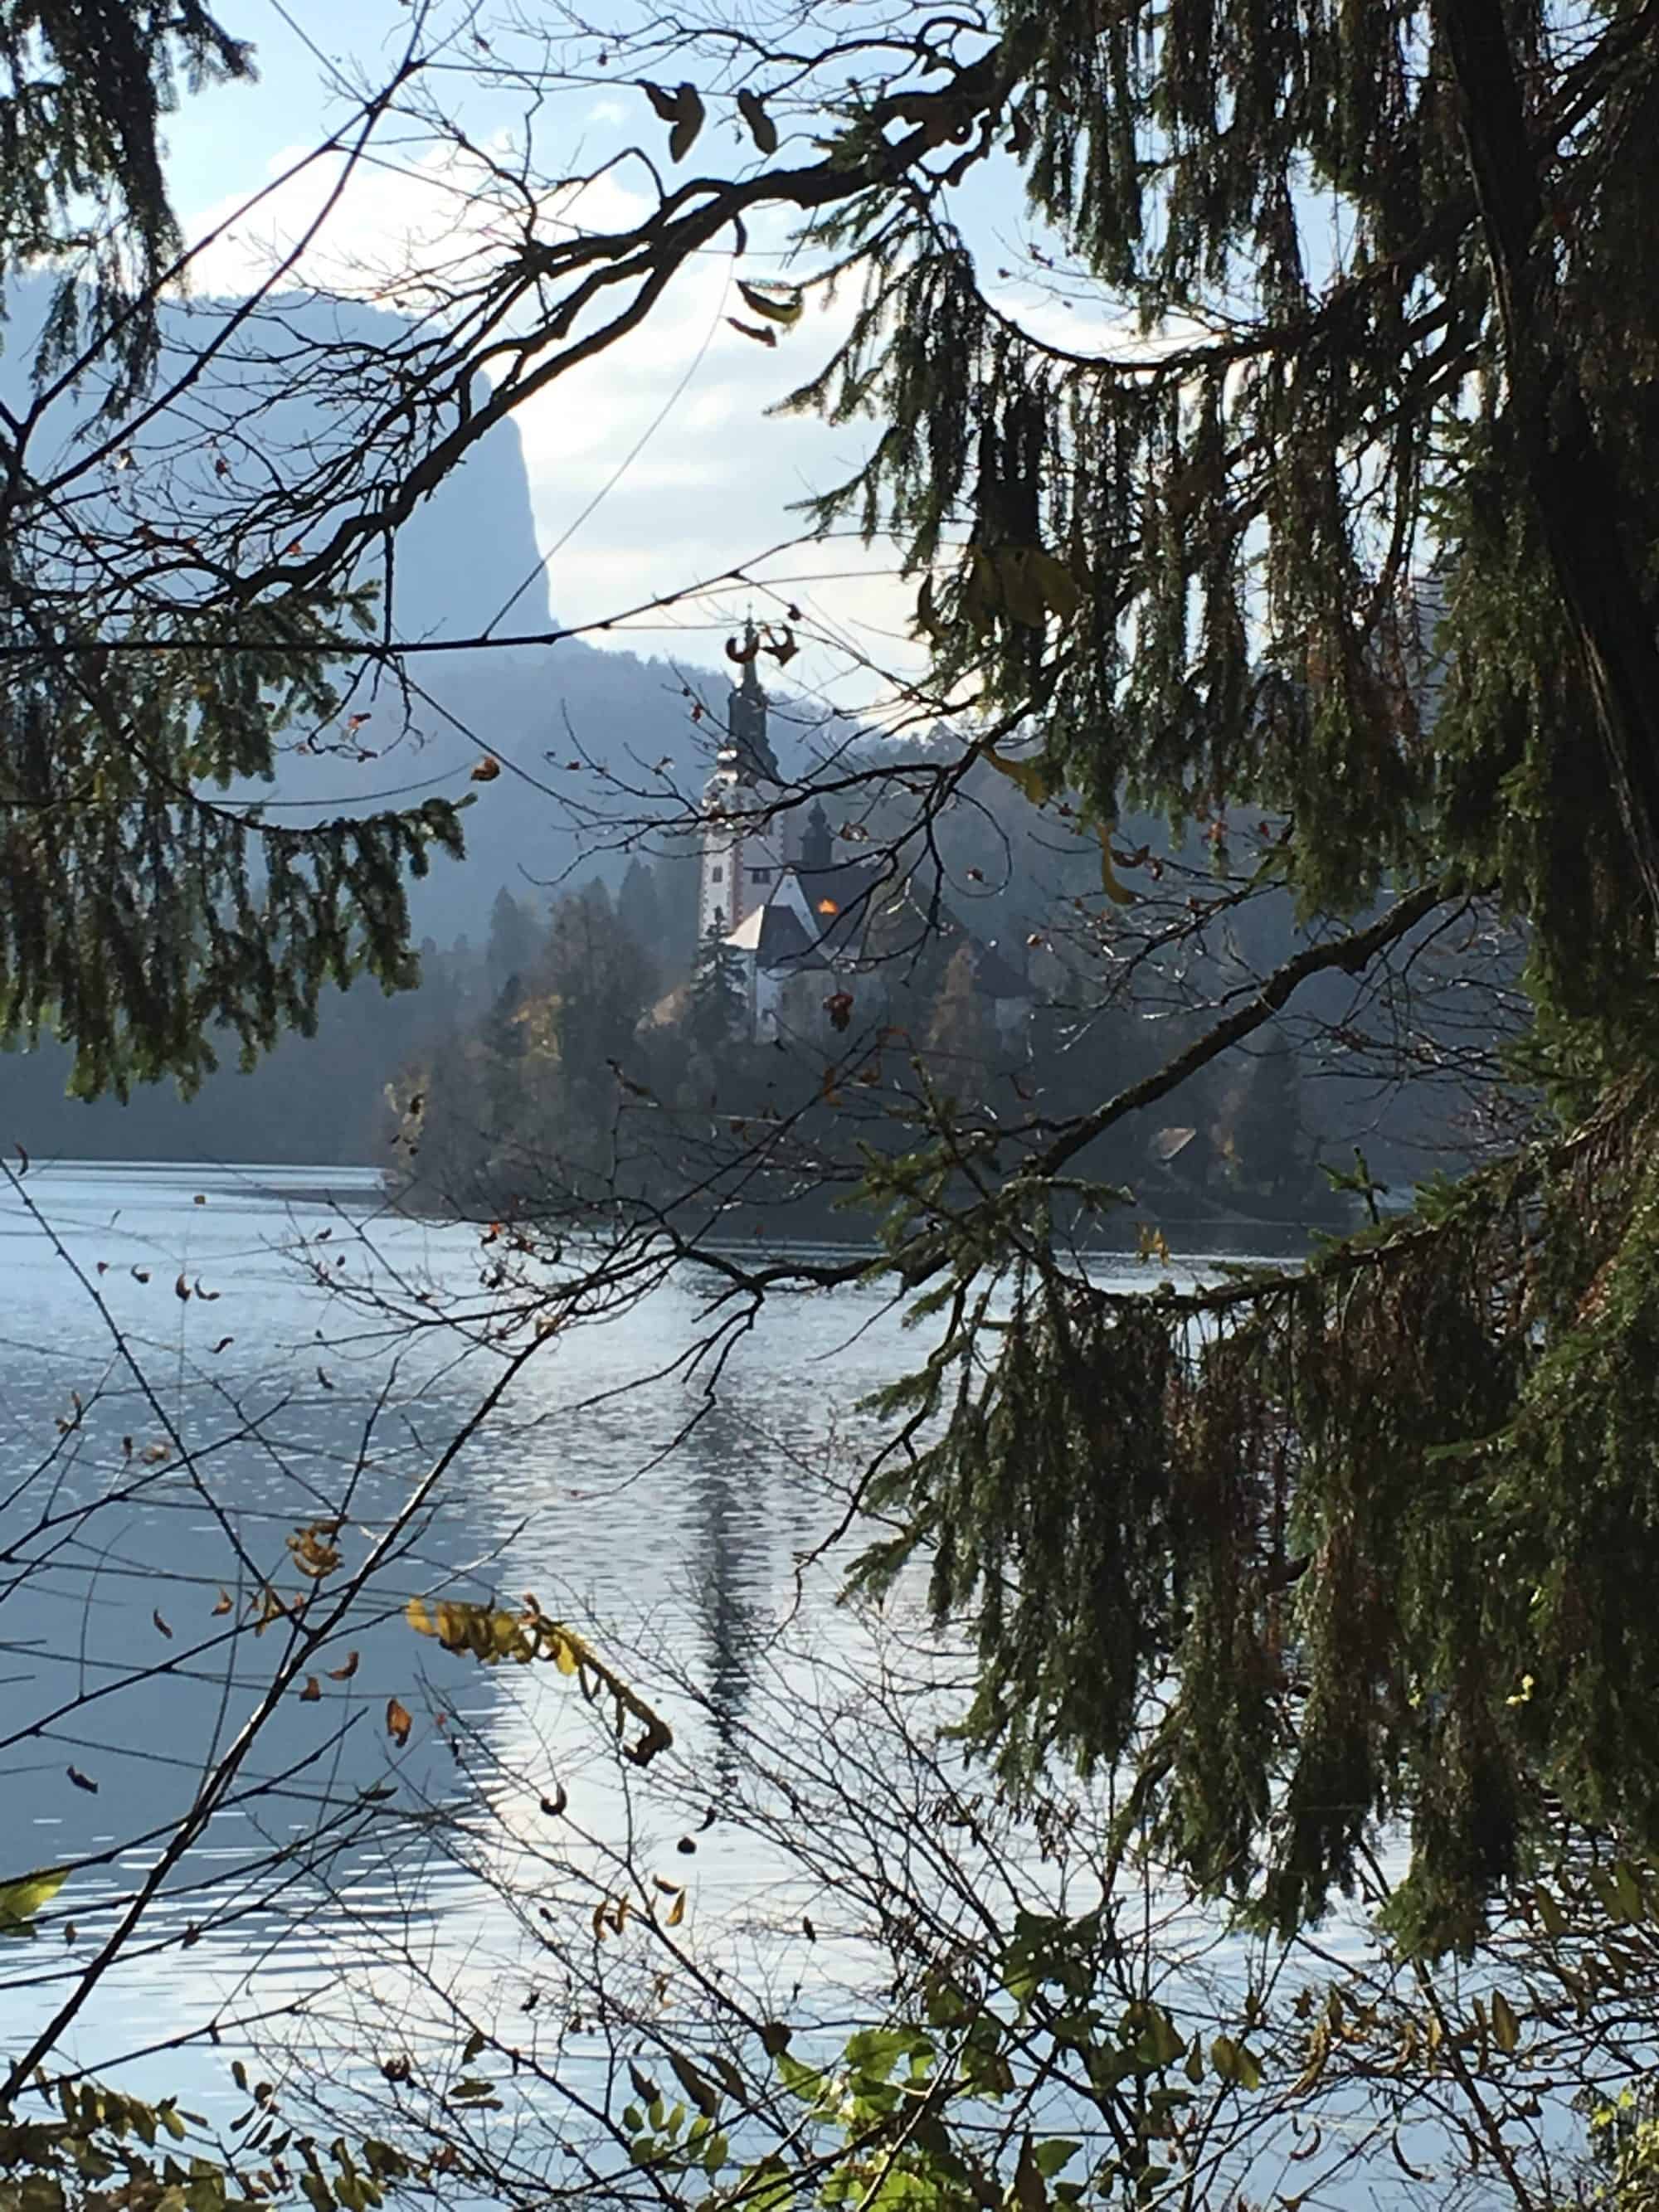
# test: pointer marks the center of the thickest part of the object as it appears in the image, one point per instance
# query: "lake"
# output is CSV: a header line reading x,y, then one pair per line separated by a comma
x,y
198,1368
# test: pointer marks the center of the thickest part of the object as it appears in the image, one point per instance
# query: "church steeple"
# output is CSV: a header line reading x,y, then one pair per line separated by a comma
x,y
748,749
743,852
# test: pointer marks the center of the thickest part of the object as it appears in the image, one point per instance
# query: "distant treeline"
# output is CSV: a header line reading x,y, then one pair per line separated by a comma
x,y
589,1041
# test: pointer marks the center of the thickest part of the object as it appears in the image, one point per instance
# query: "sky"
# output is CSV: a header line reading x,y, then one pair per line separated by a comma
x,y
651,468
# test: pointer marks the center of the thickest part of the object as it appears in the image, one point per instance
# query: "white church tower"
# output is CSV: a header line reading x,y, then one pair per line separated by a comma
x,y
743,854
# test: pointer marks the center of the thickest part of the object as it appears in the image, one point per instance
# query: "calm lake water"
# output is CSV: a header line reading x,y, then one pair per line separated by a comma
x,y
171,1363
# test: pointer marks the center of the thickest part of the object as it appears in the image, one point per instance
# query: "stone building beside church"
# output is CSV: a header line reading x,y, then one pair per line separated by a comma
x,y
793,906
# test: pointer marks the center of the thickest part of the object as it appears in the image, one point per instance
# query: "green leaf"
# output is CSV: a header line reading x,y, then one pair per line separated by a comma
x,y
874,2051
1233,2063
1153,2034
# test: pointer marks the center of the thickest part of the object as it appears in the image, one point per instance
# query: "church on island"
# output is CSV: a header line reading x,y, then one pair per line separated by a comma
x,y
795,914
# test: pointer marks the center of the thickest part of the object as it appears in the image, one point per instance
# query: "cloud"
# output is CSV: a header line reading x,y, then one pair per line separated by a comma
x,y
650,467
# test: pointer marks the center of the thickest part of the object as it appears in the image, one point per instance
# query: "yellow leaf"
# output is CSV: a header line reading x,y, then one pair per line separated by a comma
x,y
419,1619
1505,2027
562,1655
21,1899
1039,778
1119,893
1058,586
776,310
677,1911
1551,1917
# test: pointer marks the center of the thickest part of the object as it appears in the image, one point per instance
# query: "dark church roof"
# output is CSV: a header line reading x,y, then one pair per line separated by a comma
x,y
844,896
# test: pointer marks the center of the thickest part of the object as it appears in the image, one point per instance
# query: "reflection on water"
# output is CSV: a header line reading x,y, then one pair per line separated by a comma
x,y
178,1402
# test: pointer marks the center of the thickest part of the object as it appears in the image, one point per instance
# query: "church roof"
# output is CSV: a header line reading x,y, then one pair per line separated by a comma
x,y
843,900
841,896
774,933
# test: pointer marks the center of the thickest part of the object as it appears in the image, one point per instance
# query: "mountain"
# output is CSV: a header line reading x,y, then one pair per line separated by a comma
x,y
464,553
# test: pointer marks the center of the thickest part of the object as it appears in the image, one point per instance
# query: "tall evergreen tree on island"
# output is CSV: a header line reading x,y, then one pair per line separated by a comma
x,y
716,1011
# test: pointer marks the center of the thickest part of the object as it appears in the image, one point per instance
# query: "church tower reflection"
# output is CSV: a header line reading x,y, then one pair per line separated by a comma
x,y
721,1457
